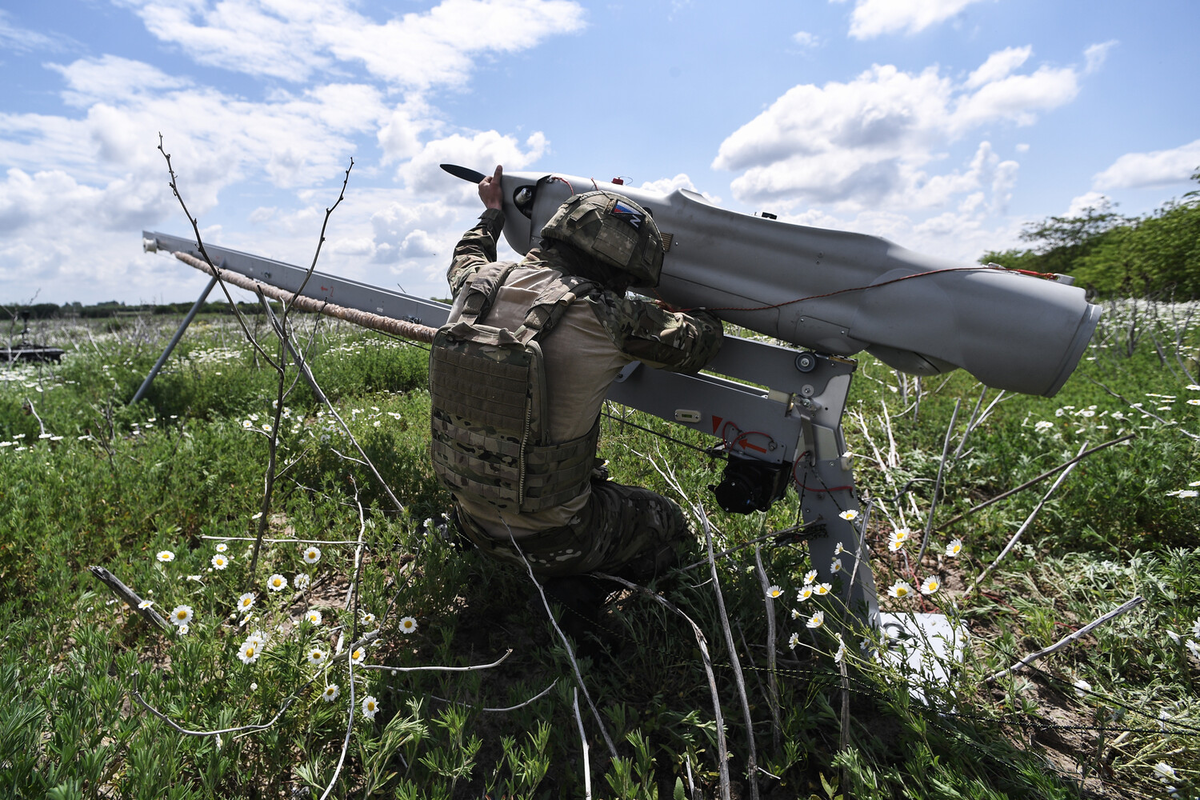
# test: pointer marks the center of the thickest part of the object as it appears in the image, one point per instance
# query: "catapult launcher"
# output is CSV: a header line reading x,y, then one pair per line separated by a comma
x,y
821,295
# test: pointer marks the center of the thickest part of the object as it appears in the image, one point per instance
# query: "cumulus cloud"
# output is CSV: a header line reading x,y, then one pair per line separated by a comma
x,y
482,151
874,140
806,39
872,18
294,40
1156,168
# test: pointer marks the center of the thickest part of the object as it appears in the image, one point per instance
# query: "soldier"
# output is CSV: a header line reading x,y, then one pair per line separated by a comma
x,y
518,375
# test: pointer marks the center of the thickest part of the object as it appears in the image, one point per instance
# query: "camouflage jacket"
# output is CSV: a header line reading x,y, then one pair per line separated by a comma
x,y
639,328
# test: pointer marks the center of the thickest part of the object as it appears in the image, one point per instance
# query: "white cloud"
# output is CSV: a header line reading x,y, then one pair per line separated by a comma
x,y
1096,54
806,39
872,18
1080,205
23,40
1156,168
874,140
294,40
998,66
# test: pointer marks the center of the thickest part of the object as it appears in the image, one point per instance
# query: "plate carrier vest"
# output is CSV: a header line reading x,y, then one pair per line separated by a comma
x,y
489,420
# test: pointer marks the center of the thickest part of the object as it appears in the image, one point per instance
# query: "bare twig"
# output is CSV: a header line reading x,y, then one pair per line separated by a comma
x,y
129,596
1034,481
142,701
612,749
1138,407
281,541
528,702
386,668
1070,638
587,763
937,486
1028,520
702,643
772,684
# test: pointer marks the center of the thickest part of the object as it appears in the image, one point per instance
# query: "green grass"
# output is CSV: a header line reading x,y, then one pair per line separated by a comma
x,y
86,479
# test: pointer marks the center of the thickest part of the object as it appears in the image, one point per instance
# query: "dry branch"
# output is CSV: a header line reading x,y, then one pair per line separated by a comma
x,y
129,596
409,330
1068,639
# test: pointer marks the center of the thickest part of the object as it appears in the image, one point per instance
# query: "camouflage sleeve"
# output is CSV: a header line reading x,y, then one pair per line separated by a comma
x,y
477,248
676,341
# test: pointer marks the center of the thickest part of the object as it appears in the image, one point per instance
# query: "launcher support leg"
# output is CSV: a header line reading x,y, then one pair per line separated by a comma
x,y
174,341
824,480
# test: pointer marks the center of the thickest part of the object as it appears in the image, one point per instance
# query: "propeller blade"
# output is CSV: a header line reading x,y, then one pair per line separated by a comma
x,y
466,173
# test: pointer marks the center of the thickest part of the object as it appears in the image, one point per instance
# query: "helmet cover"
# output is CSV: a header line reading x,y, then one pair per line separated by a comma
x,y
612,229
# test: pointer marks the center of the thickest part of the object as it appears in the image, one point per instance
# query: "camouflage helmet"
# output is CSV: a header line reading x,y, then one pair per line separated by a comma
x,y
612,229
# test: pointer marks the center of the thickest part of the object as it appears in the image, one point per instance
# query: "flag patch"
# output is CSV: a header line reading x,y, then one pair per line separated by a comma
x,y
628,213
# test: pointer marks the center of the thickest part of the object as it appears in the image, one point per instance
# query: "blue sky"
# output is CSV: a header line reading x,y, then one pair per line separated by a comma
x,y
943,125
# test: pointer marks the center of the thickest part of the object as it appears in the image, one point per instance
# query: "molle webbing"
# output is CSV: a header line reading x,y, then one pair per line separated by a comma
x,y
490,419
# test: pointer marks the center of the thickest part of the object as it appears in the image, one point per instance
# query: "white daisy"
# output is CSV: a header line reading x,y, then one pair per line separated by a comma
x,y
316,656
219,561
246,602
165,556
773,592
810,576
370,707
276,583
806,591
181,615
793,640
817,620
954,548
408,625
250,650
331,692
930,585
358,656
301,582
836,566
849,514
900,589
222,547
313,616
312,554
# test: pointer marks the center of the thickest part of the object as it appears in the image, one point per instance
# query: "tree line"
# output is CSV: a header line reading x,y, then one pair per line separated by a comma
x,y
1117,256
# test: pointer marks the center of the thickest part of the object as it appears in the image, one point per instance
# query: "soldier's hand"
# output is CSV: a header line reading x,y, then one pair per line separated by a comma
x,y
491,192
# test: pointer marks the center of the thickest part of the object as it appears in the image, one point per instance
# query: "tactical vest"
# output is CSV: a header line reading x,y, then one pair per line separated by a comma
x,y
490,422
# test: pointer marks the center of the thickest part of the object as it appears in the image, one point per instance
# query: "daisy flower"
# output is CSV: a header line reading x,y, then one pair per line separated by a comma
x,y
312,555
822,589
246,602
165,556
145,604
1082,688
900,589
313,616
954,548
810,576
817,620
1164,771
316,657
222,547
331,692
250,650
837,551
773,592
1196,629
793,640
836,566
849,514
897,539
930,585
408,625
370,707
276,583
841,651
182,630
301,582
1193,646
806,591
368,619
358,656
219,561
795,614
181,615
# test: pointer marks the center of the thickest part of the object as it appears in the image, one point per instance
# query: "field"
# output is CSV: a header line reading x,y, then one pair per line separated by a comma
x,y
361,652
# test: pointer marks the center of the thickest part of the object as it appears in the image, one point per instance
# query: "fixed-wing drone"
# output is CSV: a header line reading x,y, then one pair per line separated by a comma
x,y
824,295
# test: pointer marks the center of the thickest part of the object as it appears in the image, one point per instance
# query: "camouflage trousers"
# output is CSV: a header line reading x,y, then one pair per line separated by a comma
x,y
620,527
